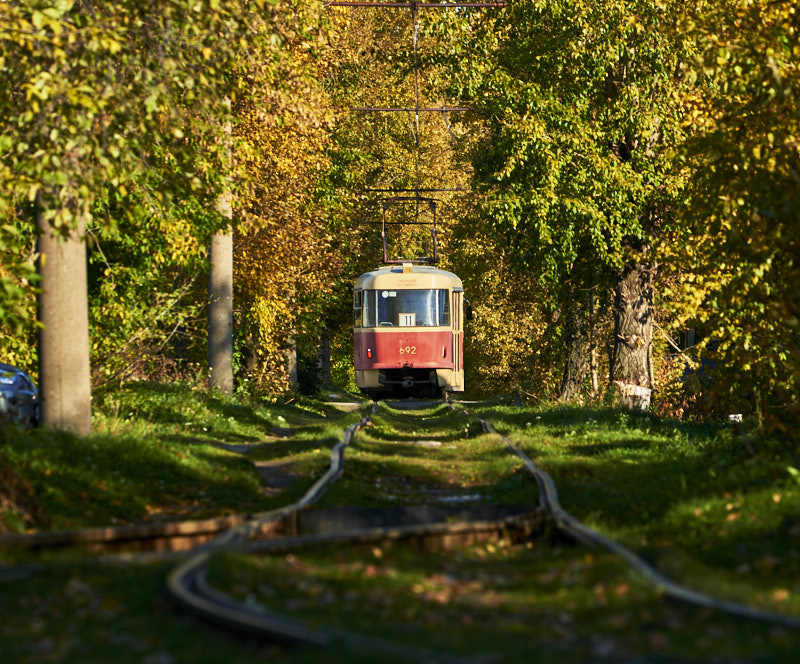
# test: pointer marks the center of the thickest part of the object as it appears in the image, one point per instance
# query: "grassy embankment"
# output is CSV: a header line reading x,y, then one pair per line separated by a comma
x,y
159,452
667,489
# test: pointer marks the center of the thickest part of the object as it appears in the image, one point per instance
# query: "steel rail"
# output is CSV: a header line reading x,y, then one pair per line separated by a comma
x,y
188,583
181,580
221,607
548,499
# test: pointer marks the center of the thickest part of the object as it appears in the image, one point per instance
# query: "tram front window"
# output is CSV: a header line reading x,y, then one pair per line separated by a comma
x,y
406,308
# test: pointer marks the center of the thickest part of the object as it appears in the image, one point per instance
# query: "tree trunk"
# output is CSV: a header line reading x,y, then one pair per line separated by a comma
x,y
577,338
220,294
290,356
64,377
593,345
633,335
220,313
324,357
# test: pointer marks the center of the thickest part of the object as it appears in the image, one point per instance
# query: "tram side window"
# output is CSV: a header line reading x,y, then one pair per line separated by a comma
x,y
444,307
369,308
358,307
407,308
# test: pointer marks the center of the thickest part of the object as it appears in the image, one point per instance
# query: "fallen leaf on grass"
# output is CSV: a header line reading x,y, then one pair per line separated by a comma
x,y
619,620
600,595
767,562
441,596
297,564
780,595
443,579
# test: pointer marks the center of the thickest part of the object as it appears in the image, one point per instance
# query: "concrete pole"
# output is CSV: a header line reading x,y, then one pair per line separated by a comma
x,y
64,377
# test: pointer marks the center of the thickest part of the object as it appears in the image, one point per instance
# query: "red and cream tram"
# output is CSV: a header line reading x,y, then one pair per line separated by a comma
x,y
409,330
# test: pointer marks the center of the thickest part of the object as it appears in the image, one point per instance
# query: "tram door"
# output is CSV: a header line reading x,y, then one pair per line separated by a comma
x,y
458,341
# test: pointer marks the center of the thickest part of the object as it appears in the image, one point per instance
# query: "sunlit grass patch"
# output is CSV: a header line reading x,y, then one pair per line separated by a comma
x,y
717,511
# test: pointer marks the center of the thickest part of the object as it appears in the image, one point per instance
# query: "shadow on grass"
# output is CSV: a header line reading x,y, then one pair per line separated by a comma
x,y
665,483
100,480
379,433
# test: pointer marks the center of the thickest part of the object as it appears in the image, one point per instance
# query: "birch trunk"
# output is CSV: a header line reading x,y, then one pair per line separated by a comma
x,y
220,313
220,294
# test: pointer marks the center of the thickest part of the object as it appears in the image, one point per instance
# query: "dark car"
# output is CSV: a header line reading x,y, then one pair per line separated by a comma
x,y
19,399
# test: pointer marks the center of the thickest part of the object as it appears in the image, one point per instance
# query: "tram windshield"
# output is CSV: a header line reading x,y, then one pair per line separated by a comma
x,y
405,308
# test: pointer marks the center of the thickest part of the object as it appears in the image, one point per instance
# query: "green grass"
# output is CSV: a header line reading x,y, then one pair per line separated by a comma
x,y
716,511
82,612
157,452
543,602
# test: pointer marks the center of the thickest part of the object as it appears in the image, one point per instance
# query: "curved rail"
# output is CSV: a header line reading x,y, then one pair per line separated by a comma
x,y
188,583
185,581
548,499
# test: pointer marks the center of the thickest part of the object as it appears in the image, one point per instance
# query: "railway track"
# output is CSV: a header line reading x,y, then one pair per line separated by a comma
x,y
294,527
282,530
188,583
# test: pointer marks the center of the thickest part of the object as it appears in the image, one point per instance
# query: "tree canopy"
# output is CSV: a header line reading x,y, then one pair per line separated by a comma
x,y
602,135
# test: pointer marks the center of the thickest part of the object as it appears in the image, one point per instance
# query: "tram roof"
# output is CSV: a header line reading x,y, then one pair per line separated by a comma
x,y
408,276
